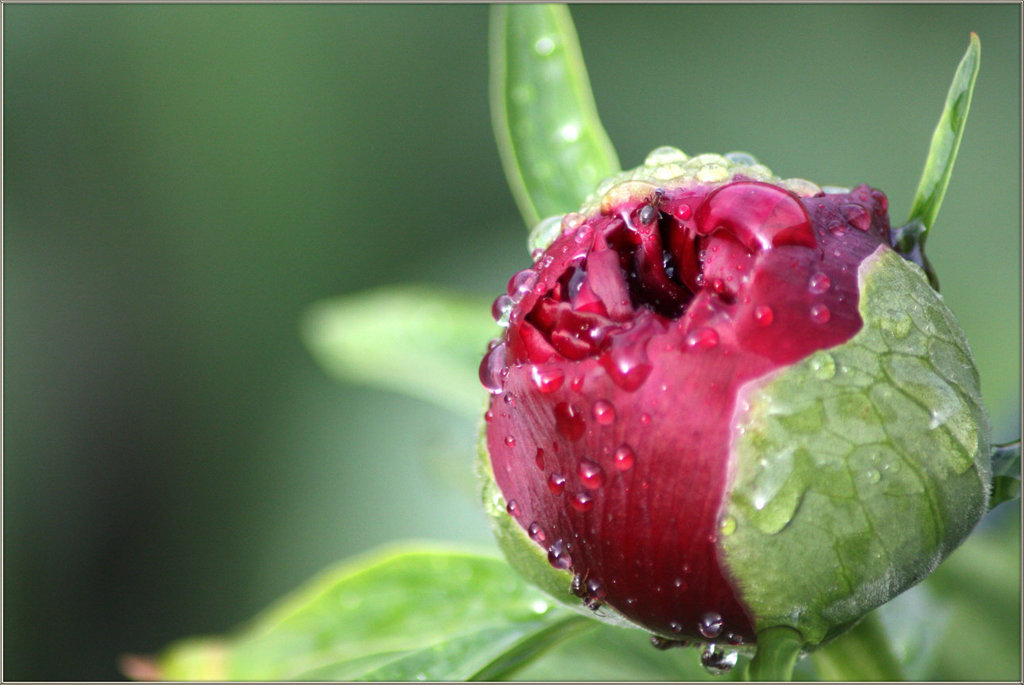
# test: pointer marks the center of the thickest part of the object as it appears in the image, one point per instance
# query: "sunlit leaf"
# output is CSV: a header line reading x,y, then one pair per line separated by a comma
x,y
552,144
414,613
416,340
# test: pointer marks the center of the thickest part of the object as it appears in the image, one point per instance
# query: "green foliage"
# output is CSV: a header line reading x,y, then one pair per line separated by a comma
x,y
413,613
552,144
404,339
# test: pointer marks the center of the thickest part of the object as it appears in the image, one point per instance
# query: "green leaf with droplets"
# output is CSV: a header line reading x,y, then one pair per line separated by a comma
x,y
861,467
938,168
553,147
407,613
416,340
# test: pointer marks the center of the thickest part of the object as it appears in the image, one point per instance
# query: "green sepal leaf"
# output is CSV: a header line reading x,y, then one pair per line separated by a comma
x,y
417,340
863,653
858,469
553,147
404,613
938,167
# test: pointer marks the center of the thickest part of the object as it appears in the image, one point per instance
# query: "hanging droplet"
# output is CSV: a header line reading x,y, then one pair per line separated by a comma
x,y
718,660
537,533
491,367
512,508
558,556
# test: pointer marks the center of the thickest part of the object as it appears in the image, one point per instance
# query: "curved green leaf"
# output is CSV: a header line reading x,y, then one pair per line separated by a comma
x,y
412,613
553,147
938,168
416,340
863,653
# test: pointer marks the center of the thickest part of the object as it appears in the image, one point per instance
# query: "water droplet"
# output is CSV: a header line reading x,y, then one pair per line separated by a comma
x,y
763,315
512,508
539,606
523,281
546,380
838,230
819,283
717,660
570,133
895,322
872,476
820,314
488,416
858,217
501,309
491,367
710,625
510,441
680,583
624,458
591,475
627,366
645,419
539,458
604,412
569,421
823,365
556,483
558,556
577,383
537,533
675,626
702,338
581,501
544,46
728,526
666,154
682,211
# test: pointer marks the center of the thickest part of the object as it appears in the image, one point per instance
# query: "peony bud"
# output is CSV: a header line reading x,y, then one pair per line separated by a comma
x,y
723,403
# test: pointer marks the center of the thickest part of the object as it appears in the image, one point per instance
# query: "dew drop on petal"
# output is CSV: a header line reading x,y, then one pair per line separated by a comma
x,y
512,508
591,475
645,419
581,501
819,283
558,556
569,421
604,412
820,314
858,217
556,483
546,380
710,625
539,458
624,458
537,533
763,315
501,308
510,441
491,367
702,338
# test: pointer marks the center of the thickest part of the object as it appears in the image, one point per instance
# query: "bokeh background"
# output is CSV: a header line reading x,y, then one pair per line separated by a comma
x,y
181,182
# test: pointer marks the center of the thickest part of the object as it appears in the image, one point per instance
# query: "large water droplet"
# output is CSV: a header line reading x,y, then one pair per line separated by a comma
x,y
491,367
523,281
710,625
624,458
569,421
546,380
604,412
558,556
627,366
591,474
556,483
501,309
858,217
718,660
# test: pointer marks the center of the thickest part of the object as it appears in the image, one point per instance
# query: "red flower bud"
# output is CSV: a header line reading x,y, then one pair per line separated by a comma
x,y
630,345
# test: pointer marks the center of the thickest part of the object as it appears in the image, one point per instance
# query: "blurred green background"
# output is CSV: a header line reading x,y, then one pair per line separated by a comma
x,y
180,182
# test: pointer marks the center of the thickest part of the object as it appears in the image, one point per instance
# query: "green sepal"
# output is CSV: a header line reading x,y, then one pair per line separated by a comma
x,y
552,144
858,469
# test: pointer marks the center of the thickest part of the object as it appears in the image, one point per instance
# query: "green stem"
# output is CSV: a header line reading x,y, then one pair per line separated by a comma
x,y
863,653
777,652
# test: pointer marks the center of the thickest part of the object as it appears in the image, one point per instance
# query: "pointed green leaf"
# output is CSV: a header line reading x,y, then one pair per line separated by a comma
x,y
553,147
946,141
412,613
416,340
